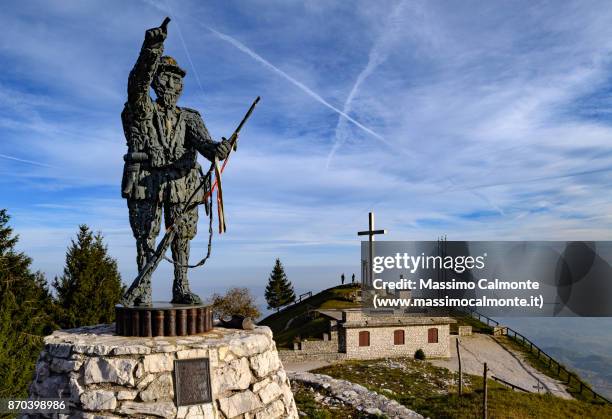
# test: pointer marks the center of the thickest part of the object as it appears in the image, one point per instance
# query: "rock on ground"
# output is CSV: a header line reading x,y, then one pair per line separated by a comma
x,y
355,395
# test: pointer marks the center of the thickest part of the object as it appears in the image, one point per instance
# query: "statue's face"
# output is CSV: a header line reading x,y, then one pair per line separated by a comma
x,y
168,87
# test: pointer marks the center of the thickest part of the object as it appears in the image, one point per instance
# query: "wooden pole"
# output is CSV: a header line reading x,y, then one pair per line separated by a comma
x,y
460,370
484,392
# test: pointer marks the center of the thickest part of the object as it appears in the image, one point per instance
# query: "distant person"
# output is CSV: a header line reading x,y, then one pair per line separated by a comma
x,y
353,279
342,278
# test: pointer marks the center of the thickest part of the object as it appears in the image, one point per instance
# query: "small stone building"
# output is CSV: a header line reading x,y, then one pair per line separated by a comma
x,y
363,336
355,334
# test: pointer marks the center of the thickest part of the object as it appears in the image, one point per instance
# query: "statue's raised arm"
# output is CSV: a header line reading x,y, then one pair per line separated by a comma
x,y
142,74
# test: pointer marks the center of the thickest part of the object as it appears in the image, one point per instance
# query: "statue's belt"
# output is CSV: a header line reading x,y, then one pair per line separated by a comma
x,y
137,157
139,160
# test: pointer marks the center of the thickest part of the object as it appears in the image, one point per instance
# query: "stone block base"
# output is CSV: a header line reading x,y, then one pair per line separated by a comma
x,y
464,330
105,376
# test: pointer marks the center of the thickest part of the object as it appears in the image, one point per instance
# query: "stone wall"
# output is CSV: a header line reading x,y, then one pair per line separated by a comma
x,y
381,342
500,331
329,343
464,330
325,349
104,375
288,356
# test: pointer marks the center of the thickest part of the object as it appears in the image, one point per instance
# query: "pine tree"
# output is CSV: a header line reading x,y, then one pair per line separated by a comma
x,y
26,314
279,290
91,285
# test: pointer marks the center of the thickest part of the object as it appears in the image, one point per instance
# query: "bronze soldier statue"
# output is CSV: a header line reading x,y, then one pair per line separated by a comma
x,y
161,171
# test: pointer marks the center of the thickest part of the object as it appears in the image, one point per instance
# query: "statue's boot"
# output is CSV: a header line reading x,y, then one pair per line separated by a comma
x,y
181,292
139,296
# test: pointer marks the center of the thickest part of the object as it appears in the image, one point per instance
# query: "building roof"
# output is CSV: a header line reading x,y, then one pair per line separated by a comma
x,y
334,314
360,319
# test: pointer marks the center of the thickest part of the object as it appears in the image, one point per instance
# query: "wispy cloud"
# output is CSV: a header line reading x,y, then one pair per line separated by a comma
x,y
4,156
295,82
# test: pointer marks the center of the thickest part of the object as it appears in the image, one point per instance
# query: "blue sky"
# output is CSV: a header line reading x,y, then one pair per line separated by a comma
x,y
478,120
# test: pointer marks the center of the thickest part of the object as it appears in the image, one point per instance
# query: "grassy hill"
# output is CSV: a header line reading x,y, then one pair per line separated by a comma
x,y
299,320
431,391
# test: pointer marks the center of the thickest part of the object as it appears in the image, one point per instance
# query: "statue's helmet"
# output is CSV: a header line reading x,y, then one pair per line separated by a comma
x,y
169,64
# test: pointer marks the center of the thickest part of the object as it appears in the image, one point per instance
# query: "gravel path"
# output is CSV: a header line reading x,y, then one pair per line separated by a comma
x,y
303,366
289,323
503,363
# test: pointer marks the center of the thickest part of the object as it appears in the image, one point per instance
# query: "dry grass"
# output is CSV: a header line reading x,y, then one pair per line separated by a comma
x,y
431,391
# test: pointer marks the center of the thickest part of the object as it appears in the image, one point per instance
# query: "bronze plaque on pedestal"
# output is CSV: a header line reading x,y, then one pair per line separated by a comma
x,y
192,381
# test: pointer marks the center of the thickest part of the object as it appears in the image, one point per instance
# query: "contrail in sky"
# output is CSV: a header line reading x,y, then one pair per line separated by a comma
x,y
297,83
378,54
4,156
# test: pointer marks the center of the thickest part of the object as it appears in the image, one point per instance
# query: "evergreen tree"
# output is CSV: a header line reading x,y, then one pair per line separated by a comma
x,y
279,290
91,285
26,314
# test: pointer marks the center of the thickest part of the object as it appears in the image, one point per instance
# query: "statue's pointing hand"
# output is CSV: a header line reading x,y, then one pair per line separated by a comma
x,y
155,36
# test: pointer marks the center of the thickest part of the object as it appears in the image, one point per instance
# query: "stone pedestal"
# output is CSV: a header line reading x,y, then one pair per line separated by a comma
x,y
105,375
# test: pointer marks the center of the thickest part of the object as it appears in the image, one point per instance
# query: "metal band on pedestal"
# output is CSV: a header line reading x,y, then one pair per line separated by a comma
x,y
181,322
146,326
158,323
163,319
170,323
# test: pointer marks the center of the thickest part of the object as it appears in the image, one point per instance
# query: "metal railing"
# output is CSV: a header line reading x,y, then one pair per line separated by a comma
x,y
480,316
303,296
300,298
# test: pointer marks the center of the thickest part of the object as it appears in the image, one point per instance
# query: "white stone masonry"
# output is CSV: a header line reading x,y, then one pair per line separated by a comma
x,y
109,376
